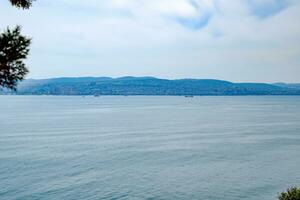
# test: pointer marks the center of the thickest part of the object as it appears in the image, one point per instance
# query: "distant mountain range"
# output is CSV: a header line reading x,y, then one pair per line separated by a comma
x,y
148,86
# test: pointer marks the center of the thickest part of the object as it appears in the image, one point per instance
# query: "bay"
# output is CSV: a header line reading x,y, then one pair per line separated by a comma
x,y
148,147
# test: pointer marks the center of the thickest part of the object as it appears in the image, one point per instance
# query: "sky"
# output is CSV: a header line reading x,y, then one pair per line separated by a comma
x,y
235,40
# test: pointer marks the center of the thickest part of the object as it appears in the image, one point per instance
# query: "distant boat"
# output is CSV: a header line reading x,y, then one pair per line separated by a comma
x,y
189,96
96,95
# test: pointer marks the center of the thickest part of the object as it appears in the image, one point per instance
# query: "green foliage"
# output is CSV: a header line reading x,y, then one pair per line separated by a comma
x,y
14,48
291,194
25,4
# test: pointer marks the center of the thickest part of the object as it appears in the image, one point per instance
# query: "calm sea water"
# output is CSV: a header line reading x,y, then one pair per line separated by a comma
x,y
206,148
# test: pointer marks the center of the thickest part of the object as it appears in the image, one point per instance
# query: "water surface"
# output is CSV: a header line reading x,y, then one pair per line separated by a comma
x,y
206,148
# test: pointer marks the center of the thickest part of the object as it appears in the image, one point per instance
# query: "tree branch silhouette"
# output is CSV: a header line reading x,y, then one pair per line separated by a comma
x,y
25,4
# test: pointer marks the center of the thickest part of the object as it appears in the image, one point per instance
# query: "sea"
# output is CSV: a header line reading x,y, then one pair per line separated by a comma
x,y
148,147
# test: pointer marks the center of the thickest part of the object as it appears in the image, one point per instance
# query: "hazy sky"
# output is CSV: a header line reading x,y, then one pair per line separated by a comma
x,y
236,40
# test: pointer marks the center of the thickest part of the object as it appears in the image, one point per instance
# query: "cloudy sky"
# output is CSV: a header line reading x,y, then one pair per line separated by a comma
x,y
236,40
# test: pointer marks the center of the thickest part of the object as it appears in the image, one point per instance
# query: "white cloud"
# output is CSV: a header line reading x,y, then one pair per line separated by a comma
x,y
168,38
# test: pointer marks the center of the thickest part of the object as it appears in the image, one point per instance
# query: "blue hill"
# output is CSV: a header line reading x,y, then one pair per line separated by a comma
x,y
148,86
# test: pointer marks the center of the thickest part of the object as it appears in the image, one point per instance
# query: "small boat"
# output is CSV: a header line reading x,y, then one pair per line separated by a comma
x,y
96,95
189,96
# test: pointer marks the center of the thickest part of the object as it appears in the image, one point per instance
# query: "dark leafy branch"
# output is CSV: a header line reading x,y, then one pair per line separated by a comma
x,y
25,4
14,48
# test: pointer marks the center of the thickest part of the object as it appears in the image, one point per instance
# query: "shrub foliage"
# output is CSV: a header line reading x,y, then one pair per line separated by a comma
x,y
291,194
